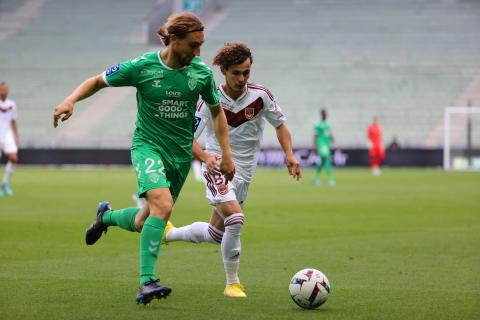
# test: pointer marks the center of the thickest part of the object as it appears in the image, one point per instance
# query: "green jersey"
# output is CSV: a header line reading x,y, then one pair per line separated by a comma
x,y
166,101
323,132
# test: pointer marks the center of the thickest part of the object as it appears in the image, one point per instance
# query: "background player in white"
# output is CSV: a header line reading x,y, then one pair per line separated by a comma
x,y
9,138
246,106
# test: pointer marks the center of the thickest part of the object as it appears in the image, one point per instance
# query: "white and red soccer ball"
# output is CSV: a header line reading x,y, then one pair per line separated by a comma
x,y
309,288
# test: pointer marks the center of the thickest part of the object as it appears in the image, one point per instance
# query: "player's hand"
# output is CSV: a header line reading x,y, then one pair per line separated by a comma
x,y
227,168
62,112
293,167
211,163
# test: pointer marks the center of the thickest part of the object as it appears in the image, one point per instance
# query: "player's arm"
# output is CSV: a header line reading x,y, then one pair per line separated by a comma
x,y
285,139
210,160
15,131
219,124
65,109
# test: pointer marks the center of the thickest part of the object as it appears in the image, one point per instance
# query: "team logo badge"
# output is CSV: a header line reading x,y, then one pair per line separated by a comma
x,y
156,83
249,113
6,109
192,83
154,177
222,189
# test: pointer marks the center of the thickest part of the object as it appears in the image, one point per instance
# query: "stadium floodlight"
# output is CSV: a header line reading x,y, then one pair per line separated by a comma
x,y
461,143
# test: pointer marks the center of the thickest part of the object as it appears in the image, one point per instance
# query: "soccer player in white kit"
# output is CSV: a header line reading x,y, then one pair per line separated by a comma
x,y
246,106
9,137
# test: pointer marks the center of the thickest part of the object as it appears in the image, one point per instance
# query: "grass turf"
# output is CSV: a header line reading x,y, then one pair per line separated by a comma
x,y
401,246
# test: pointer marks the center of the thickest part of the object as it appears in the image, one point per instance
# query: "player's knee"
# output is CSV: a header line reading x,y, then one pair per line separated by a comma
x,y
12,157
234,223
160,207
161,210
139,225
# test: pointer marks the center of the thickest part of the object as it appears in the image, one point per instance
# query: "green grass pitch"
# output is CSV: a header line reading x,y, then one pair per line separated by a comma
x,y
405,245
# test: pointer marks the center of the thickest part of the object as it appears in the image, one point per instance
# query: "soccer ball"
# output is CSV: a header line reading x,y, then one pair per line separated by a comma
x,y
309,288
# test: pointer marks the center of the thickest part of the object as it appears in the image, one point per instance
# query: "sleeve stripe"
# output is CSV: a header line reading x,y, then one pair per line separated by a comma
x,y
254,86
199,105
104,76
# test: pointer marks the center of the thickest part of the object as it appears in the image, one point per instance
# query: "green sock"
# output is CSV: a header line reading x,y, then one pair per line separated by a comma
x,y
150,241
124,218
328,168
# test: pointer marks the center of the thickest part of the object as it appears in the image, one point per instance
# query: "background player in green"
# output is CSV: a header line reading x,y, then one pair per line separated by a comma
x,y
169,83
323,139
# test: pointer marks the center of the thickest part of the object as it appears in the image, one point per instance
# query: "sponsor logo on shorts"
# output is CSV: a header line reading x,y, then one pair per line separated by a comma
x,y
222,189
113,70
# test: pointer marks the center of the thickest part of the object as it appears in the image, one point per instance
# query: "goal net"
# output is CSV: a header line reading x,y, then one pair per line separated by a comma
x,y
461,148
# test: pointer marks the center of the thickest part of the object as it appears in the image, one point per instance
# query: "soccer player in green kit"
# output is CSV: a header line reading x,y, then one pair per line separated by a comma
x,y
323,144
169,83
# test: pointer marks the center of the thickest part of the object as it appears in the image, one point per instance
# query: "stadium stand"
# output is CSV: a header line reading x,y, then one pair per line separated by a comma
x,y
404,61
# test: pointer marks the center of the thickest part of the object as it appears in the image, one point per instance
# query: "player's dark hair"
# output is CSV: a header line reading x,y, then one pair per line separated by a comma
x,y
179,24
232,53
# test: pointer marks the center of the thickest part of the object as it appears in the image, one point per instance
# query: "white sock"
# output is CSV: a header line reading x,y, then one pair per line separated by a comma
x,y
231,246
8,172
196,232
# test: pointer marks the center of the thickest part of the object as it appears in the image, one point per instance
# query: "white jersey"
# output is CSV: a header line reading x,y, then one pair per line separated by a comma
x,y
246,120
8,112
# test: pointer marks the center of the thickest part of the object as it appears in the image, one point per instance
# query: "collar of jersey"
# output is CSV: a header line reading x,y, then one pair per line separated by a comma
x,y
230,98
163,63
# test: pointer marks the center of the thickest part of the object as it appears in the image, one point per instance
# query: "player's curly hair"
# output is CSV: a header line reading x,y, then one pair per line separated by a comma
x,y
179,24
232,53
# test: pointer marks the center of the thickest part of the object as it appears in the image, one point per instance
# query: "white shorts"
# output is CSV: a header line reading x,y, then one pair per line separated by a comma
x,y
217,192
7,144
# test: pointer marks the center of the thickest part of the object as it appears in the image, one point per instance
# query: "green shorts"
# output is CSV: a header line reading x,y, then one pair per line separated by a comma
x,y
324,151
154,171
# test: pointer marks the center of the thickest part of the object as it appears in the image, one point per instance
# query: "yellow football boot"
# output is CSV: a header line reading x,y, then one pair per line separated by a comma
x,y
167,229
234,290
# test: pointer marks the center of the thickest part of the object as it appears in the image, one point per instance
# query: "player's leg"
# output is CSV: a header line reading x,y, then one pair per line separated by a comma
x,y
198,231
318,168
107,217
231,246
201,231
10,149
160,204
328,168
374,162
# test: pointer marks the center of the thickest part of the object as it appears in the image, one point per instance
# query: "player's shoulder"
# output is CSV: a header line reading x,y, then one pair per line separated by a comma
x,y
200,66
260,90
9,103
145,59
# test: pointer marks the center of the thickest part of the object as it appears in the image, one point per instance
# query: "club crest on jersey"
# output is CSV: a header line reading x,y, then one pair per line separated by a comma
x,y
249,113
7,109
113,70
192,83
